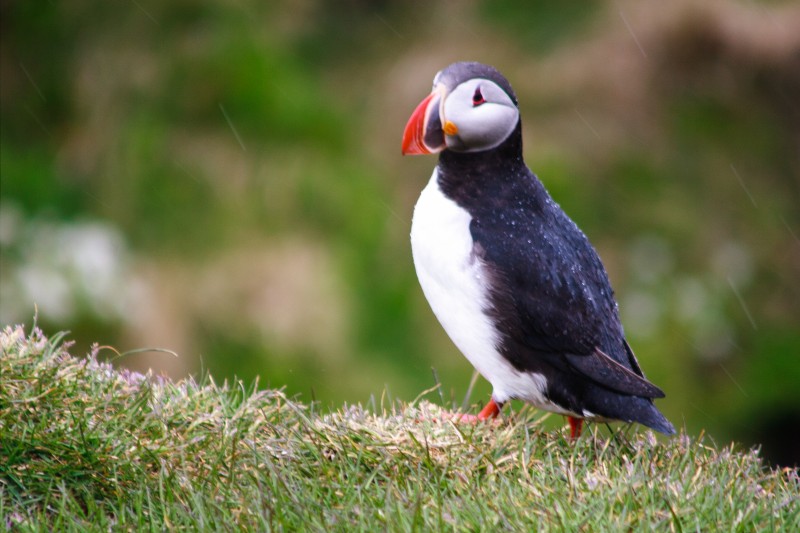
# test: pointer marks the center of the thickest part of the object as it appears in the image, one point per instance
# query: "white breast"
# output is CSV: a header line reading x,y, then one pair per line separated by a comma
x,y
455,284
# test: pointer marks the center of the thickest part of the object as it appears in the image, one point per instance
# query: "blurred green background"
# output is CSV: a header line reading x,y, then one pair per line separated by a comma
x,y
223,179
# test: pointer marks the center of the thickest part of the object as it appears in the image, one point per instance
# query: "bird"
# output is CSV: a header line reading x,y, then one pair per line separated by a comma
x,y
514,282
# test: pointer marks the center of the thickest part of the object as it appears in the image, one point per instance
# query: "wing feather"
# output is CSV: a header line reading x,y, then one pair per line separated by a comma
x,y
551,296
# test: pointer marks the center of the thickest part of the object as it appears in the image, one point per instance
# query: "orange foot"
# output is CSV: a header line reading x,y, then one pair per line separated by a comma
x,y
489,412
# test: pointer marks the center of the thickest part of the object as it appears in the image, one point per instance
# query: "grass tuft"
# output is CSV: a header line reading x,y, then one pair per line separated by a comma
x,y
84,446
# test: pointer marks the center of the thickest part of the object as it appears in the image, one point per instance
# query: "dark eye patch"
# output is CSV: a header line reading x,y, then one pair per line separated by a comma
x,y
477,97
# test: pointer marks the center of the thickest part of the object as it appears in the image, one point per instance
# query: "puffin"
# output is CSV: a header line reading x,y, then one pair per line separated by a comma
x,y
511,278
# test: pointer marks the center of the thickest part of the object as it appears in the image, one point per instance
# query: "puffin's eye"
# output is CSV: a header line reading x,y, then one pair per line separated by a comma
x,y
477,98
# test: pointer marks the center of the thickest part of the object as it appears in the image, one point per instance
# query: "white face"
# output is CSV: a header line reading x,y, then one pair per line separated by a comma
x,y
483,115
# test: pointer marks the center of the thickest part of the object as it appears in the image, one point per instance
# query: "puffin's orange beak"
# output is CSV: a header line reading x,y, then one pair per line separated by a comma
x,y
423,133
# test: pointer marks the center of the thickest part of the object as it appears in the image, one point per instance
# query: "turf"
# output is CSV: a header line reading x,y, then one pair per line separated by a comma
x,y
84,446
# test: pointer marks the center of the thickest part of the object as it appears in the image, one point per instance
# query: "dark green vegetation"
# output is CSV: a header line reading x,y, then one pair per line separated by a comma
x,y
86,447
224,179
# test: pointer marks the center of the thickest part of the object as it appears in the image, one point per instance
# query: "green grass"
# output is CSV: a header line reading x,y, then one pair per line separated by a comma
x,y
84,446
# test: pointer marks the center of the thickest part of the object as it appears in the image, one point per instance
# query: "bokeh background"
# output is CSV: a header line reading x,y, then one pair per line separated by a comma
x,y
223,179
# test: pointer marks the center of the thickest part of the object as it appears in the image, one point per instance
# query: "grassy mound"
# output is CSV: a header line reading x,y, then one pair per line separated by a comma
x,y
86,446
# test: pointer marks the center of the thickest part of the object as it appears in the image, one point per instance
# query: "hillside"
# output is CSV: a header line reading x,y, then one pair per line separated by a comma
x,y
86,446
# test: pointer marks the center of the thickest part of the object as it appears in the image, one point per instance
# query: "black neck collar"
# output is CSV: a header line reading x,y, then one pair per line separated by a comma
x,y
468,177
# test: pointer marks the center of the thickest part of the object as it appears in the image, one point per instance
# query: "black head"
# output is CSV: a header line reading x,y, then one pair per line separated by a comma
x,y
457,73
472,109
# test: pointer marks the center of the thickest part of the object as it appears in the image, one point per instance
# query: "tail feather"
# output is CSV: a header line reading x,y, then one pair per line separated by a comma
x,y
628,408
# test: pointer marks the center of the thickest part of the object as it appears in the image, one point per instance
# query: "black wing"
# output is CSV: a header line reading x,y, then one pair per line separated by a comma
x,y
550,293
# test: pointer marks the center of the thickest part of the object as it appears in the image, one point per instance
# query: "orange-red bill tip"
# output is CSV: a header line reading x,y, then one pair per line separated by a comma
x,y
414,134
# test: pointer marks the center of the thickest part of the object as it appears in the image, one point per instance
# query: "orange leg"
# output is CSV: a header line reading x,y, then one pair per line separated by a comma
x,y
491,411
575,426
